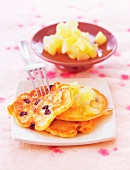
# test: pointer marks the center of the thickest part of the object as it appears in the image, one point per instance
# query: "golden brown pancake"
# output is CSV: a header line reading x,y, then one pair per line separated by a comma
x,y
96,108
37,112
63,128
68,129
56,112
86,126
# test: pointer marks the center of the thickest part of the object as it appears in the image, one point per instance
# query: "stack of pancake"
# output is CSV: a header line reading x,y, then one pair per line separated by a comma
x,y
66,110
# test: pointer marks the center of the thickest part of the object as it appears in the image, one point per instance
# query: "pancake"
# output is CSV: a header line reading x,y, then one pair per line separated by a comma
x,y
67,129
58,111
86,126
37,112
63,128
96,108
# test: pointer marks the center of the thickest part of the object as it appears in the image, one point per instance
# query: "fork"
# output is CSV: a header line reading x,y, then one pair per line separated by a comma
x,y
34,70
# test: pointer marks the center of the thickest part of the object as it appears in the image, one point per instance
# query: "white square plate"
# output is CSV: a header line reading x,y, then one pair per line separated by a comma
x,y
105,128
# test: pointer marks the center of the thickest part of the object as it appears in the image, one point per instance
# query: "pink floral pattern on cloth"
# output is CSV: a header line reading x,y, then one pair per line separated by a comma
x,y
105,152
23,18
128,107
55,149
51,74
2,99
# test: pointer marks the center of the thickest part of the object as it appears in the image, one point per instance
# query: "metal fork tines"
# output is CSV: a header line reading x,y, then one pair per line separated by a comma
x,y
36,71
38,76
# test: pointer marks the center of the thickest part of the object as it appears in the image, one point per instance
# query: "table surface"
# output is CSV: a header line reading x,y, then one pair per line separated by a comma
x,y
24,18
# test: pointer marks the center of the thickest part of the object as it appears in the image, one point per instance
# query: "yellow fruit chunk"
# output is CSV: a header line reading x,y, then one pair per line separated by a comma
x,y
72,23
76,87
67,43
75,32
100,38
81,43
82,95
86,36
87,50
83,56
87,94
77,101
90,110
63,31
73,51
52,44
70,40
93,51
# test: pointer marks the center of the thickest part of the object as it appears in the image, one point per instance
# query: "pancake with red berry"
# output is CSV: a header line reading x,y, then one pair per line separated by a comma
x,y
63,111
37,112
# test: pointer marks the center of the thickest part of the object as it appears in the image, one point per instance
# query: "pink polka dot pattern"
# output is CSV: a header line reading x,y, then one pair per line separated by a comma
x,y
51,74
20,25
115,149
116,54
71,6
16,48
121,84
101,66
43,25
128,107
101,75
95,21
2,99
104,152
38,16
8,48
124,77
80,17
94,71
65,74
55,149
32,24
